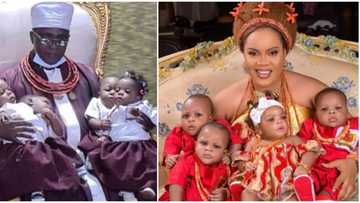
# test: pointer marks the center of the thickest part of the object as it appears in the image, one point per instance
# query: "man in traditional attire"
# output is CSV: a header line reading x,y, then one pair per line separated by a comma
x,y
68,85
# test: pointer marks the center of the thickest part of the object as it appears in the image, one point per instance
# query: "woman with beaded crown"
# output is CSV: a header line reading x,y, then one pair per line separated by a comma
x,y
265,33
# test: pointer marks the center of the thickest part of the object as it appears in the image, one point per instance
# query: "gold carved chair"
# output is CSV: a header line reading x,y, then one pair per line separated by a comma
x,y
210,67
89,32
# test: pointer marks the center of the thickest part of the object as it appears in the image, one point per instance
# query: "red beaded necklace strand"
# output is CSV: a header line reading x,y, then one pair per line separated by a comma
x,y
43,85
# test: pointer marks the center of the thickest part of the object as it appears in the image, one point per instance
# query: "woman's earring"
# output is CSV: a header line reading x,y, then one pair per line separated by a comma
x,y
288,65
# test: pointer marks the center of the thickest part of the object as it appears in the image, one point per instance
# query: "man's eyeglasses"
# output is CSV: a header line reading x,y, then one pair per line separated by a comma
x,y
48,42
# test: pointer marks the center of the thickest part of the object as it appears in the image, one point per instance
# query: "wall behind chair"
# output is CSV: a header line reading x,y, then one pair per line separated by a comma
x,y
132,43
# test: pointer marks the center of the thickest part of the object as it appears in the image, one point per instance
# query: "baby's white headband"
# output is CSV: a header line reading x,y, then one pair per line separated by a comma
x,y
263,104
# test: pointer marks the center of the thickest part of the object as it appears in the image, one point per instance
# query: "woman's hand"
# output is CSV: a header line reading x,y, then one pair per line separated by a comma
x,y
245,131
250,166
13,128
170,160
300,170
219,194
346,180
226,159
235,151
235,154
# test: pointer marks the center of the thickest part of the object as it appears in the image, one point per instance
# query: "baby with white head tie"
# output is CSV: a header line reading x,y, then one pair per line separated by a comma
x,y
271,146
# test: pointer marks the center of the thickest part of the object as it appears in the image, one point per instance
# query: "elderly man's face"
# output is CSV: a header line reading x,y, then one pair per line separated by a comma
x,y
50,43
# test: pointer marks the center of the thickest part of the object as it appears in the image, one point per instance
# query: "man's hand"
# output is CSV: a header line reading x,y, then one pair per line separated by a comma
x,y
13,128
105,124
47,113
103,139
142,119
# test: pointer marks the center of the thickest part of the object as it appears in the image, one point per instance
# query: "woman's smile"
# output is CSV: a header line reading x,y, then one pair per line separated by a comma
x,y
263,73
